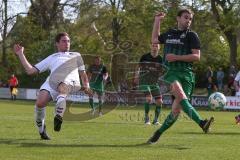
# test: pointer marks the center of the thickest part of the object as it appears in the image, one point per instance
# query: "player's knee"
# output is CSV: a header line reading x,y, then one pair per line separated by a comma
x,y
158,100
63,88
149,98
41,103
176,111
177,91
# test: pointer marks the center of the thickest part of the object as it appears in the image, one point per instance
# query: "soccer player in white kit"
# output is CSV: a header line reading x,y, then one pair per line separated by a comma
x,y
65,67
237,88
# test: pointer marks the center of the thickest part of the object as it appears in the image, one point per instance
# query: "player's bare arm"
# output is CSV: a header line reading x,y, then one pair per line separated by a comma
x,y
18,49
195,56
84,78
235,83
136,75
89,75
105,76
156,26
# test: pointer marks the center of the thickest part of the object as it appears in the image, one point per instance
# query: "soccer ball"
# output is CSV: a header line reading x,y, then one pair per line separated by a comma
x,y
217,100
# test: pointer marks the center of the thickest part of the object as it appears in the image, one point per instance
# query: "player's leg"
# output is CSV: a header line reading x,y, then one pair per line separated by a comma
x,y
158,101
63,90
11,90
169,121
147,92
147,108
157,110
100,101
40,112
179,93
237,118
91,101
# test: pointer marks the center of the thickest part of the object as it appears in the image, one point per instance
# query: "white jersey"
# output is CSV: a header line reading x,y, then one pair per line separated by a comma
x,y
64,67
237,78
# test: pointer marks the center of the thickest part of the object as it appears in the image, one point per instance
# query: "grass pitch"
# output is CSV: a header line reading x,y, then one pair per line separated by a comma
x,y
119,135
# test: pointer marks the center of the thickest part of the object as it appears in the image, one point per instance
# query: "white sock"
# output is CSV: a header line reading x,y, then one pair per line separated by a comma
x,y
40,114
60,105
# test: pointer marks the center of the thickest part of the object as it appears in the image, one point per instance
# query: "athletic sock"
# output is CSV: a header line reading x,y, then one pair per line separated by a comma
x,y
100,103
190,111
157,112
169,121
91,102
60,105
40,114
146,108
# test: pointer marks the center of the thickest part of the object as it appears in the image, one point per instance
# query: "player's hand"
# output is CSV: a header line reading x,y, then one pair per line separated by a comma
x,y
18,49
159,16
87,90
171,57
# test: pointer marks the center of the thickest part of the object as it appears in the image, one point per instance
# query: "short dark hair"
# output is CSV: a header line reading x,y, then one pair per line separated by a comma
x,y
60,35
180,12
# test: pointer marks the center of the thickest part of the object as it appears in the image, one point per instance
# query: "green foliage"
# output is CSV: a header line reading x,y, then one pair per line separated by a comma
x,y
134,19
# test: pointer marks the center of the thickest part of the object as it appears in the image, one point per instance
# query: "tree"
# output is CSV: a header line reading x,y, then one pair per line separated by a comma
x,y
226,14
7,21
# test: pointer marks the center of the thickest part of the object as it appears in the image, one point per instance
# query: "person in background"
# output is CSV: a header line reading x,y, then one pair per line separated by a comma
x,y
211,86
147,77
220,77
97,75
13,84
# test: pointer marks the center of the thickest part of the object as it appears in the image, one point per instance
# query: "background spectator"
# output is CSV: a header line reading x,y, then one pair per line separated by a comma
x,y
13,84
211,86
220,77
209,73
237,84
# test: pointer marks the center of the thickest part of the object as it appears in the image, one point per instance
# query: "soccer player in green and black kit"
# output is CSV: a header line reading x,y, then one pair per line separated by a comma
x,y
181,49
147,77
97,74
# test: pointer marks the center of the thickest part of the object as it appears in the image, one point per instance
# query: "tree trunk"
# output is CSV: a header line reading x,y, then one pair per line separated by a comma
x,y
4,35
232,41
115,30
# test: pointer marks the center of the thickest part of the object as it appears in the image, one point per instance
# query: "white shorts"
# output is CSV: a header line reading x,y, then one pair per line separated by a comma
x,y
54,93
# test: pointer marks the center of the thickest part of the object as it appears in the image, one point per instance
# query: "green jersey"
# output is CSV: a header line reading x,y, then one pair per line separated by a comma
x,y
179,43
149,69
97,72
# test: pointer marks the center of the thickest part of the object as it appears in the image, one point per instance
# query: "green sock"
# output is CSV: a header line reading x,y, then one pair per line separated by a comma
x,y
146,107
91,103
190,111
169,121
157,112
100,105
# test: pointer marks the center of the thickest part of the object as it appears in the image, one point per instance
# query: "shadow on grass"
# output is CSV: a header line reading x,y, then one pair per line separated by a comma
x,y
213,133
43,144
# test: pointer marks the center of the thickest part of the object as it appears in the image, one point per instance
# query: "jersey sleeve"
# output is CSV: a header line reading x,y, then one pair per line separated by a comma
x,y
44,64
141,59
80,63
237,78
194,40
162,38
104,70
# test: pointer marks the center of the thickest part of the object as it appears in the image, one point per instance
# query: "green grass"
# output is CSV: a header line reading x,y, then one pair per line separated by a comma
x,y
119,135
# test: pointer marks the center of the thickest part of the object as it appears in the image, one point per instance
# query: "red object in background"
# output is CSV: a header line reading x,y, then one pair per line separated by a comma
x,y
13,81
